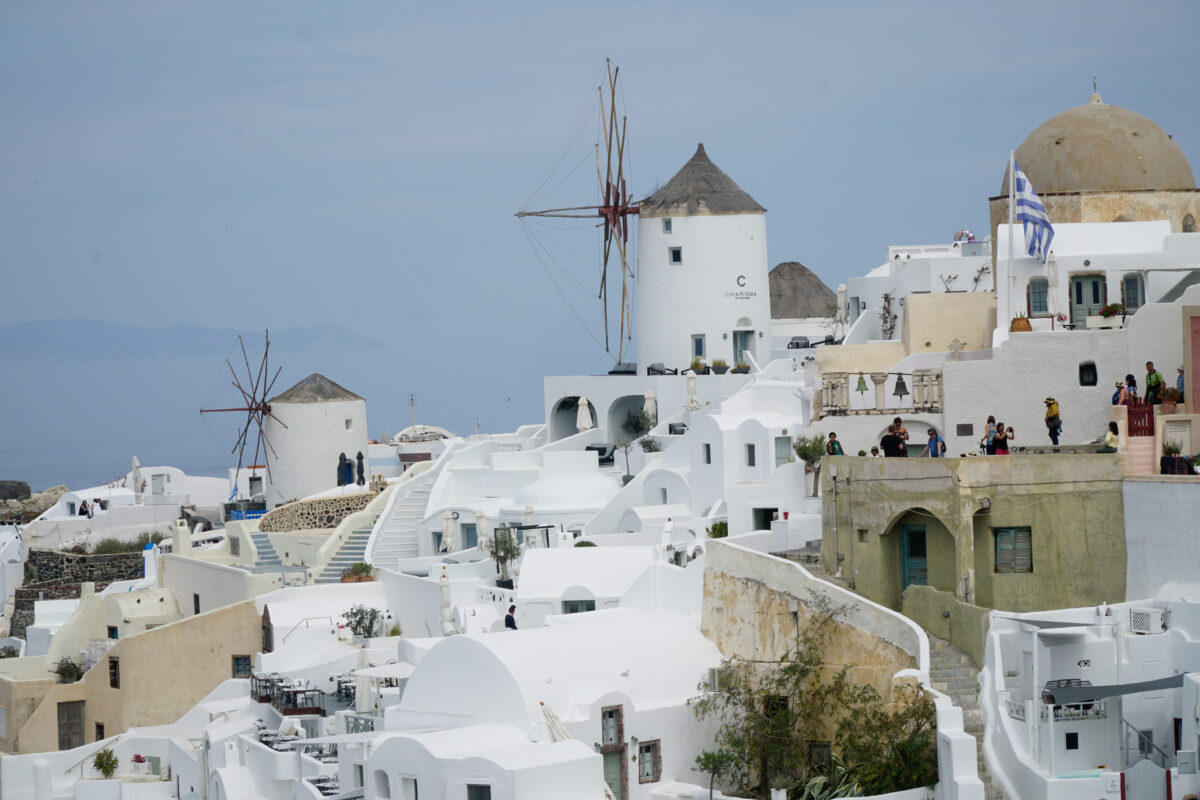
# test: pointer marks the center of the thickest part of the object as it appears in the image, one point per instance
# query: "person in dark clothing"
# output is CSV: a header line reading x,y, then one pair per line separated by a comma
x,y
891,444
833,447
510,622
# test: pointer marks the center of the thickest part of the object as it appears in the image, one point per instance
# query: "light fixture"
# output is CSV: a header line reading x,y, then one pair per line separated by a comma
x,y
724,335
901,389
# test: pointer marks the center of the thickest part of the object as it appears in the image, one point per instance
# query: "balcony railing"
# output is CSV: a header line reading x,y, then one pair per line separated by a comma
x,y
878,392
1093,709
359,723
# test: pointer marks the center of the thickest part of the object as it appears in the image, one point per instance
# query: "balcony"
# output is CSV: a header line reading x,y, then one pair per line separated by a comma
x,y
911,392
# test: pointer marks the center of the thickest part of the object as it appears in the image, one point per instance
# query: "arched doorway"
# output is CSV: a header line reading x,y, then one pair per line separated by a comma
x,y
921,552
619,411
564,419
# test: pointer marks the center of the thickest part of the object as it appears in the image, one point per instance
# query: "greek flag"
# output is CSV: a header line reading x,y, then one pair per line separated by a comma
x,y
1030,211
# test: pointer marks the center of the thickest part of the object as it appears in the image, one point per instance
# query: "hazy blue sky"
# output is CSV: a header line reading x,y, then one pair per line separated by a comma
x,y
270,164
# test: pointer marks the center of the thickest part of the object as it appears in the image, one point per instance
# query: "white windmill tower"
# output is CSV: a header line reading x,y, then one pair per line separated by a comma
x,y
702,284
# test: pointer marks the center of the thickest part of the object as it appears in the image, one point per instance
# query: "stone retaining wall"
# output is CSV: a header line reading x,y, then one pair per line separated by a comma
x,y
321,513
60,567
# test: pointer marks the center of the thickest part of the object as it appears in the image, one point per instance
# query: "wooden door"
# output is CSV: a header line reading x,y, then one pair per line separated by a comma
x,y
70,725
913,558
613,764
1088,296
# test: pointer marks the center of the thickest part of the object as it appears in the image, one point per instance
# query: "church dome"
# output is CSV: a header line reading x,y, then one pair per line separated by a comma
x,y
1101,148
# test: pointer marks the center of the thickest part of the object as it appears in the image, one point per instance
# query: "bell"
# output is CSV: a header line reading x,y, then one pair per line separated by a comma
x,y
901,389
862,384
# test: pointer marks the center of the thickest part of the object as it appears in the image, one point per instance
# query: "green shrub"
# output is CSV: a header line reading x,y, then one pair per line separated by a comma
x,y
362,620
359,568
585,543
718,530
105,762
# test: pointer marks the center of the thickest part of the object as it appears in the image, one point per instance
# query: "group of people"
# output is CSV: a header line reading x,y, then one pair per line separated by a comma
x,y
893,444
89,510
1126,392
997,436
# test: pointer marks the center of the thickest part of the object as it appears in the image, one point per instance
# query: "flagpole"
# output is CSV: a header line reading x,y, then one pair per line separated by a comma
x,y
1012,210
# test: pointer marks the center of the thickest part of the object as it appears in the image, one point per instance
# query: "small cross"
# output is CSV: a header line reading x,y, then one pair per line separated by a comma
x,y
956,347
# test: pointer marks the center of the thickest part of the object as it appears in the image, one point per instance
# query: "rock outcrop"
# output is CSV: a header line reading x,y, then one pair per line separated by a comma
x,y
14,512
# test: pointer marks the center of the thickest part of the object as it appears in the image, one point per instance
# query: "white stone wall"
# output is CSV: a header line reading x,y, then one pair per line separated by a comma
x,y
303,457
1160,535
723,279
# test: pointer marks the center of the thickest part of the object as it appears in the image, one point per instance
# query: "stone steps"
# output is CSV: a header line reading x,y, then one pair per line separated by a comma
x,y
952,673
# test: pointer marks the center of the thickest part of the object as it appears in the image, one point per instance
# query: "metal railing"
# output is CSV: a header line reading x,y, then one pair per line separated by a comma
x,y
1146,748
1091,709
360,723
1016,709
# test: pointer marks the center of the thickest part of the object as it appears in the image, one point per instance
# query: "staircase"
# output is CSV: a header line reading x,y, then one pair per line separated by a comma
x,y
396,531
1140,455
952,673
351,552
267,557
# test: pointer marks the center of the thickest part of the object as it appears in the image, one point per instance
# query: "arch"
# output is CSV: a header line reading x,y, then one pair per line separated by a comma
x,y
1189,224
383,784
917,548
617,413
744,322
564,418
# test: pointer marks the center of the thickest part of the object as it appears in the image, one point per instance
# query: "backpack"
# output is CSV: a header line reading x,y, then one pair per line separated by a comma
x,y
1116,396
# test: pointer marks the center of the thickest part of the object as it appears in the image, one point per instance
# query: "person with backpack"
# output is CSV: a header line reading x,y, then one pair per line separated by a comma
x,y
1154,384
935,447
1053,420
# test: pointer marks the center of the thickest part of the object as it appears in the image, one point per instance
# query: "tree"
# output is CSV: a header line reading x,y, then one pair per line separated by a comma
x,y
636,425
362,620
714,764
887,316
504,548
810,450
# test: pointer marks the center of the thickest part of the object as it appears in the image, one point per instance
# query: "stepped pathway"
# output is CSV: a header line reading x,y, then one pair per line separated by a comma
x,y
396,536
1140,450
351,552
952,673
267,557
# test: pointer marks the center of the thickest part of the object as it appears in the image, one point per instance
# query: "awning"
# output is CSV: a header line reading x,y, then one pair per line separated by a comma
x,y
1069,695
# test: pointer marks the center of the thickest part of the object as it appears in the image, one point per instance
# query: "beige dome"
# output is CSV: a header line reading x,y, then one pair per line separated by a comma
x,y
1101,148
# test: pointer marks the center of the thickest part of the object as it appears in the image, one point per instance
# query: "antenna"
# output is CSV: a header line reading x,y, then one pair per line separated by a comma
x,y
255,406
615,206
412,402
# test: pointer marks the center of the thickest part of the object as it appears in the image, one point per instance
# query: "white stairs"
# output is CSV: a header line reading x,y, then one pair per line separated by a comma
x,y
1141,455
396,531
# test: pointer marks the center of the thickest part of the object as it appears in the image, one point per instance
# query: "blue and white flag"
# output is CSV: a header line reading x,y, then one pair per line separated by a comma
x,y
1030,211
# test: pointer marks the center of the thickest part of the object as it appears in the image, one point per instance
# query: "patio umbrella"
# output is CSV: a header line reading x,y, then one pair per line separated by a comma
x,y
137,476
528,515
362,684
1052,285
447,611
650,406
481,532
693,402
583,419
557,732
447,533
362,473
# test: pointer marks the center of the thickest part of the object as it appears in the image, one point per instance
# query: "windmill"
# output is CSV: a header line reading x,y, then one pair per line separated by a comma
x,y
255,406
614,209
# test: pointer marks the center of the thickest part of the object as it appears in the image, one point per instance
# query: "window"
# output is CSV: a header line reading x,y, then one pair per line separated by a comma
x,y
241,666
697,345
408,789
114,672
578,606
1038,305
1072,740
195,603
470,535
774,705
862,535
649,761
256,485
707,453
112,631
783,450
476,791
675,255
349,424
1014,550
1189,224
749,455
99,731
662,496
437,541
612,726
1132,293
1087,374
819,753
666,224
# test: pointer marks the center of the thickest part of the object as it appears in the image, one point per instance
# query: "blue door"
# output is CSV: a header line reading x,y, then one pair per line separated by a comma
x,y
742,341
912,556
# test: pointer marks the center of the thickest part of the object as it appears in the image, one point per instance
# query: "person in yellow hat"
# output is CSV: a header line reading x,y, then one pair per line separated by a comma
x,y
1053,420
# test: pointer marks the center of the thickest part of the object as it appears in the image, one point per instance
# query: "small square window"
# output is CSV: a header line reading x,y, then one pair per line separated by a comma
x,y
649,761
819,753
666,224
698,345
241,666
476,791
112,631
1073,741
862,535
675,255
707,453
1014,550
349,424
99,731
749,455
1087,374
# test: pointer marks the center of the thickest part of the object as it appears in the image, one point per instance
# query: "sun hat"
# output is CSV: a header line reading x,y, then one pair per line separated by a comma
x,y
1050,400
1119,384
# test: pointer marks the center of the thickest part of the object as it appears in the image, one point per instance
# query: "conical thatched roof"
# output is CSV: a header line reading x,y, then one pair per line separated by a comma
x,y
797,293
316,388
697,189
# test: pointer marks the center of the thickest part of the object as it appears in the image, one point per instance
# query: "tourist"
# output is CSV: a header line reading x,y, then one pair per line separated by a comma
x,y
1053,420
1131,385
83,508
1110,439
1003,436
1154,384
1179,381
1121,395
833,447
902,432
510,621
875,452
988,442
935,447
891,444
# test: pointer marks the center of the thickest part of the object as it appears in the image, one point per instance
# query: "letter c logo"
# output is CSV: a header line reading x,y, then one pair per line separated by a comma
x,y
741,280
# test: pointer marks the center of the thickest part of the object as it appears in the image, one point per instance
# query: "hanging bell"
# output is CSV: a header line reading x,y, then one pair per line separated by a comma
x,y
901,389
862,384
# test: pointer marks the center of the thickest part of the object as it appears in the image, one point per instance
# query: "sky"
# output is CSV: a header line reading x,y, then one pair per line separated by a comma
x,y
264,165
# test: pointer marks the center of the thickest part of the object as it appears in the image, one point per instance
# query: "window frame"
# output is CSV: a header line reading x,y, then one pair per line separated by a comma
x,y
233,666
1044,284
706,451
474,791
582,609
1006,550
751,456
619,715
667,226
1141,291
675,256
699,339
655,748
114,672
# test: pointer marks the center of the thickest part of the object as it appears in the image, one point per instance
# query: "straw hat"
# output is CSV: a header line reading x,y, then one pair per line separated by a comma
x,y
1050,400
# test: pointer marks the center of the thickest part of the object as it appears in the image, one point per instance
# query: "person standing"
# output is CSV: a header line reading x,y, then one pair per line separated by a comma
x,y
1121,395
1131,385
1154,384
935,447
1003,437
1179,381
891,444
902,432
833,447
875,451
1053,420
510,621
989,439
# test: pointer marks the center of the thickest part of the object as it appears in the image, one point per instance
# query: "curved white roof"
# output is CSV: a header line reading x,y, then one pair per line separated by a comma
x,y
603,571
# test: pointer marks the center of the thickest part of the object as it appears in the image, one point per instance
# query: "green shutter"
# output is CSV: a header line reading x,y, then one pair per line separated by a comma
x,y
1022,550
1004,550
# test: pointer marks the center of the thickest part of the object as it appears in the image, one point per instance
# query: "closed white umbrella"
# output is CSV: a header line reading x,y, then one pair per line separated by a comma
x,y
481,534
528,515
583,419
1052,285
447,611
137,477
447,533
557,732
362,684
693,401
650,406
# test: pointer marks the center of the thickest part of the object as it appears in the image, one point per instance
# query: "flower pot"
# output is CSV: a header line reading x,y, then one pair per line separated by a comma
x,y
740,371
1167,407
720,370
1020,324
501,583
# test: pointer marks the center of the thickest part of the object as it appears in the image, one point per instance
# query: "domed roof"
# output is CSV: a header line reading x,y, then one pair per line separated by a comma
x,y
699,188
316,388
1101,148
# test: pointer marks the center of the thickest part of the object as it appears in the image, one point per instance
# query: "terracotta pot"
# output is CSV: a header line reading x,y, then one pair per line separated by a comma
x,y
357,579
1167,407
1020,324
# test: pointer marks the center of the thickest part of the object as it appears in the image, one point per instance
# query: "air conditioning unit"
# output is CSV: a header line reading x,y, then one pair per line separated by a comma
x,y
717,679
1146,620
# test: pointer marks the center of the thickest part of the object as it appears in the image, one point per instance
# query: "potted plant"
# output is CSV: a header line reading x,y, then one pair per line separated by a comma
x,y
1113,310
1169,398
357,573
1020,322
720,366
139,763
698,367
504,548
741,368
105,762
362,620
